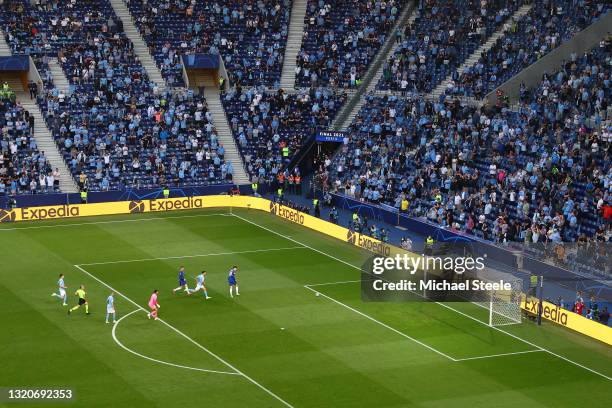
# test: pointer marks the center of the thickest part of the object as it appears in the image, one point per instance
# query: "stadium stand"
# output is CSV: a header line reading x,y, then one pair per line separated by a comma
x,y
271,127
443,35
543,29
537,171
531,175
23,168
581,87
114,127
250,35
341,38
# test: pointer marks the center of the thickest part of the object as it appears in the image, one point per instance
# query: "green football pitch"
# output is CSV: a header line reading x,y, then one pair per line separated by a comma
x,y
298,335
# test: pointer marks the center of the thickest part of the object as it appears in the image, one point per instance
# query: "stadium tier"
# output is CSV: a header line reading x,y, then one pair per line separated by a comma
x,y
249,35
271,127
23,168
526,40
501,175
443,35
341,38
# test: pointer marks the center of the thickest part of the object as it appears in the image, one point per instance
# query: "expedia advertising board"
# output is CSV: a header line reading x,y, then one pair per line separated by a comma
x,y
333,230
569,319
127,207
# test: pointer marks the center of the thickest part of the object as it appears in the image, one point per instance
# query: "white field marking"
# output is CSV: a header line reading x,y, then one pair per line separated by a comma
x,y
113,221
382,324
439,303
528,342
500,355
363,314
332,283
154,359
296,241
193,256
285,403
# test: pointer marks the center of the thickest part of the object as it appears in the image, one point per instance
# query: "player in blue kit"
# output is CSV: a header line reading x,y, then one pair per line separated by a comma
x,y
200,279
182,281
232,281
110,307
61,290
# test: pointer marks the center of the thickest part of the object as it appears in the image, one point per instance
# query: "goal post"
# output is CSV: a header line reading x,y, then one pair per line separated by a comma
x,y
499,307
503,306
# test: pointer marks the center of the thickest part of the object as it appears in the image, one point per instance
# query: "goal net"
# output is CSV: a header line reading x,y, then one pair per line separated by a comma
x,y
503,306
493,307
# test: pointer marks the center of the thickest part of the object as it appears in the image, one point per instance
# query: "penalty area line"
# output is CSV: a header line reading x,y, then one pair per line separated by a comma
x,y
252,251
381,323
500,355
263,388
439,303
120,344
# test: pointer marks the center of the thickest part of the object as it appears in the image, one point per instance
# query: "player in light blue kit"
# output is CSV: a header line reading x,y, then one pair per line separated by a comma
x,y
110,307
61,290
232,281
182,281
200,280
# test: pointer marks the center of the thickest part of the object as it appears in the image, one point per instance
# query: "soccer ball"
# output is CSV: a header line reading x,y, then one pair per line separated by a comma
x,y
318,294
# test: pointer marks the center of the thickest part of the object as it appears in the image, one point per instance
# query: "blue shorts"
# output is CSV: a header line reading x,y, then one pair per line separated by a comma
x,y
182,282
231,281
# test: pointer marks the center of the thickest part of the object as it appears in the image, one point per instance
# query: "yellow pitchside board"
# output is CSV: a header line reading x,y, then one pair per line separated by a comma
x,y
569,319
551,312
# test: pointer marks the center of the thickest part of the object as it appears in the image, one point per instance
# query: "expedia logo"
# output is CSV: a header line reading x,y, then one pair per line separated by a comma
x,y
137,206
351,237
554,313
171,204
7,215
49,213
288,214
273,208
373,245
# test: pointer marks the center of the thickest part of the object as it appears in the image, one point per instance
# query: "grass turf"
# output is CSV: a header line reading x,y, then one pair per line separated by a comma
x,y
287,343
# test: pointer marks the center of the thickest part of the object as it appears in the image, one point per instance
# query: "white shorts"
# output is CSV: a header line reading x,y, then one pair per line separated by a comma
x,y
62,293
110,310
198,287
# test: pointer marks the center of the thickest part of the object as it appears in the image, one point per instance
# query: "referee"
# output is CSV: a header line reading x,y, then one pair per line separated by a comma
x,y
82,300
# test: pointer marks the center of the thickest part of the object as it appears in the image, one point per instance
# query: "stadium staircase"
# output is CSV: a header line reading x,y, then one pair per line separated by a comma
x,y
294,43
473,59
5,50
140,47
59,78
224,132
42,135
44,139
375,71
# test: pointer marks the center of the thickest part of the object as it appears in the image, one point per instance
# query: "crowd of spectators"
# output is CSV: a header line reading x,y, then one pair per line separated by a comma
x,y
548,24
590,310
114,126
250,35
532,176
270,127
443,35
341,38
582,87
23,168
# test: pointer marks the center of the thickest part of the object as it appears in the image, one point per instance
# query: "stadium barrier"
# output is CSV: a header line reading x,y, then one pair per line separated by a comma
x,y
568,319
199,202
54,212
